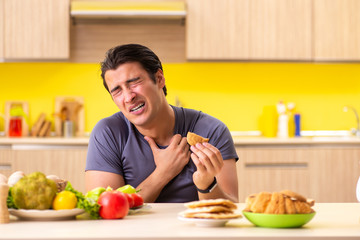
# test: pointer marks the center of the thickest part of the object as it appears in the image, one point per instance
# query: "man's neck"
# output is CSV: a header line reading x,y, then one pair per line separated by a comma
x,y
162,129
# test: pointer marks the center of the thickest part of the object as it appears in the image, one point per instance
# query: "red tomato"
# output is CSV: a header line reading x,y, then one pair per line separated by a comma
x,y
138,200
113,205
130,199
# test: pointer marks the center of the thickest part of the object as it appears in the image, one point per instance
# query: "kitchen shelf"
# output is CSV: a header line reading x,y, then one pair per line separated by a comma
x,y
91,10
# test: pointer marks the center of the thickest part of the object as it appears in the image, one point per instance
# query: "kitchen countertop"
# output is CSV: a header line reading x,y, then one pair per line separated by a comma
x,y
296,140
332,220
238,140
44,140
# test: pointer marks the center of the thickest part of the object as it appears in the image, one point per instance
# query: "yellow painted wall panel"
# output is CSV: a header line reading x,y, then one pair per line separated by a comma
x,y
233,92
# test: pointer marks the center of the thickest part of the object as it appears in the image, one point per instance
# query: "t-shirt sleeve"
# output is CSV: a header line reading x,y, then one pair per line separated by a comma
x,y
104,150
224,142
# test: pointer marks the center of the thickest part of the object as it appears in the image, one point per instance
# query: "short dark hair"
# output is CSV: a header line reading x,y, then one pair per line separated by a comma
x,y
131,53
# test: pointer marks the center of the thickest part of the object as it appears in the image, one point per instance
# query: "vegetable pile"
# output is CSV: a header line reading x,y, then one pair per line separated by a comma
x,y
115,204
36,191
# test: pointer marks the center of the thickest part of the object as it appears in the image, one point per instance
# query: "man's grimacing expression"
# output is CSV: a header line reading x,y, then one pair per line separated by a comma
x,y
135,93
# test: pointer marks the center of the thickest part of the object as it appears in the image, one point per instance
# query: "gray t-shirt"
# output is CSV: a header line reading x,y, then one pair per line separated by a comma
x,y
116,146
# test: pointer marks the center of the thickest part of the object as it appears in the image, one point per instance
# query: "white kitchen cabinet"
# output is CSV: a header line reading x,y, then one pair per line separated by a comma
x,y
66,162
280,29
217,29
36,29
336,30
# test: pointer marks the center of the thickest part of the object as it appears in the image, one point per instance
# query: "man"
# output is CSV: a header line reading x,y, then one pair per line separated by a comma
x,y
145,144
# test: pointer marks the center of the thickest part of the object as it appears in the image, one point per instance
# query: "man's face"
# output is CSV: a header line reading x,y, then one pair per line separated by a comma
x,y
135,93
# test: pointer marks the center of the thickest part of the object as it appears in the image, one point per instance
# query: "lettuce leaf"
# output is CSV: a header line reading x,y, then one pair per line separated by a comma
x,y
88,204
10,200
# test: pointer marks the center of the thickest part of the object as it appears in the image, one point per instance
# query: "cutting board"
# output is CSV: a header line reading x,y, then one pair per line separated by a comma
x,y
70,109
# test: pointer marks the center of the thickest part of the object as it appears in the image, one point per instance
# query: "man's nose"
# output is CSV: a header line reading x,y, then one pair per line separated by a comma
x,y
129,95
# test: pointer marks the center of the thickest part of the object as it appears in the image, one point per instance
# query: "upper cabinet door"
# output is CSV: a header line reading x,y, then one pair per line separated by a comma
x,y
337,29
280,29
36,29
217,29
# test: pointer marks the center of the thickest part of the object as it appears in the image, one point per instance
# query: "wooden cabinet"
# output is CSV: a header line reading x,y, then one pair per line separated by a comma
x,y
6,157
273,169
280,29
156,24
300,30
36,29
249,29
326,174
336,30
2,19
217,29
334,173
67,163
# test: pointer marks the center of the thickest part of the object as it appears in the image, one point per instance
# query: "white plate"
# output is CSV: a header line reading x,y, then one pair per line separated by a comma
x,y
45,215
201,222
140,209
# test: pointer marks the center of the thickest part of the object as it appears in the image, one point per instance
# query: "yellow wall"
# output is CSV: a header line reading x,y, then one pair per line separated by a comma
x,y
232,92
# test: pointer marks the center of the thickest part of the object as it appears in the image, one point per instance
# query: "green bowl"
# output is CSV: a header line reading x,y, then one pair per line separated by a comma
x,y
278,220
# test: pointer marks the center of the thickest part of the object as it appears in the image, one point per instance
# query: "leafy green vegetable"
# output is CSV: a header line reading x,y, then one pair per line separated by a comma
x,y
88,204
10,200
95,193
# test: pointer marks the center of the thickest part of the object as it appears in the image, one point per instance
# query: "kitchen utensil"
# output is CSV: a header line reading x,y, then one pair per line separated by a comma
x,y
68,129
38,124
69,109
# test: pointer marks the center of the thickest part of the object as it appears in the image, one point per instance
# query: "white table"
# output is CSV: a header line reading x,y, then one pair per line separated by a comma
x,y
339,220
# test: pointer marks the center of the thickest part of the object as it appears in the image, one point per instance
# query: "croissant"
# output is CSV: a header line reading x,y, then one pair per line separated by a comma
x,y
283,202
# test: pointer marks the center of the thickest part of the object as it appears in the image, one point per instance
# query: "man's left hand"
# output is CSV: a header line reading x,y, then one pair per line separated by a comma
x,y
208,161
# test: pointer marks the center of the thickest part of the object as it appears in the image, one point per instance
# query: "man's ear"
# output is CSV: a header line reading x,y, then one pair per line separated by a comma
x,y
160,79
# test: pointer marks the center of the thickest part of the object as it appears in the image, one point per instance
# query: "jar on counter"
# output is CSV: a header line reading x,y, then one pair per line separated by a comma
x,y
15,127
15,122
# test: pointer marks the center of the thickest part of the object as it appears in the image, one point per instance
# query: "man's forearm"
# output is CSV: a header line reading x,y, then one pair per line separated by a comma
x,y
152,186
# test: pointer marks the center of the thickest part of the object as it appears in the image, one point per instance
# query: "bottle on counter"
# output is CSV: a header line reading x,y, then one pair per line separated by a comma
x,y
283,121
290,112
269,120
297,121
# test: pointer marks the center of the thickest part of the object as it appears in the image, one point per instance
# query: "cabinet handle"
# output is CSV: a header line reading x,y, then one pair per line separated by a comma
x,y
276,165
5,166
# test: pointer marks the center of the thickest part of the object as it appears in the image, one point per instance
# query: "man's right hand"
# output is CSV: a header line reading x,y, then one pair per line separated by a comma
x,y
171,160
